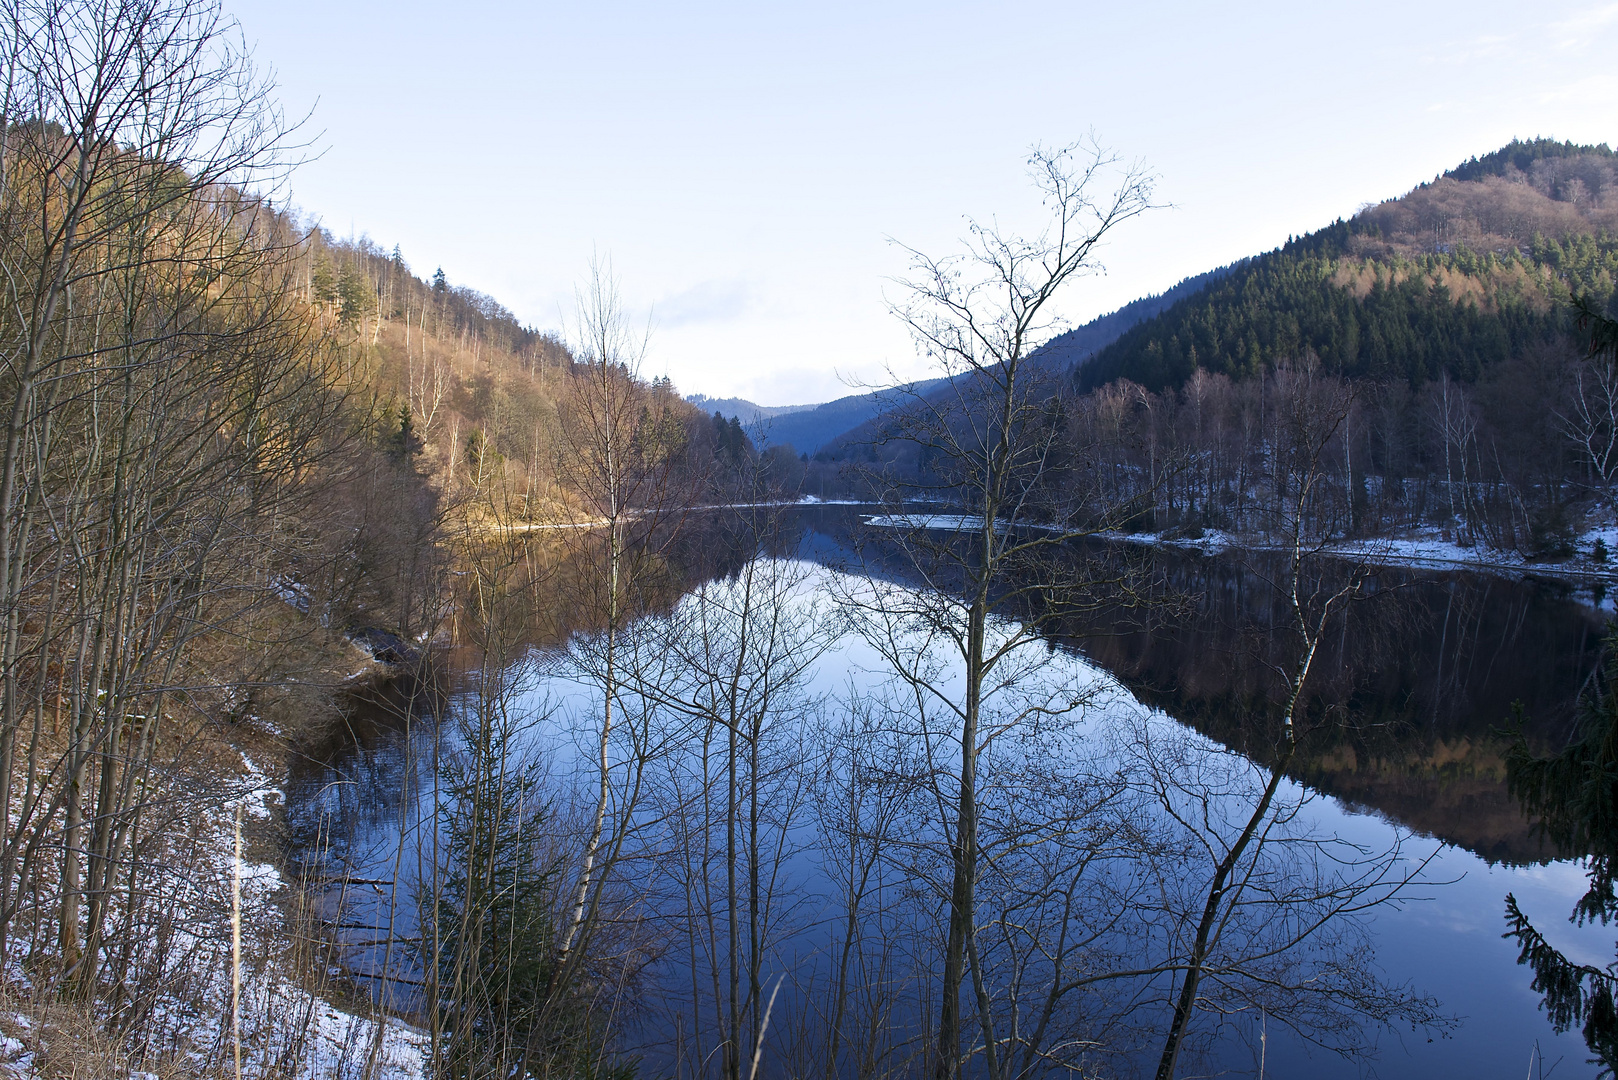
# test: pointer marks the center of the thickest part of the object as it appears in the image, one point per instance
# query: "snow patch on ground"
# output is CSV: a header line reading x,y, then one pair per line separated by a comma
x,y
286,1030
1421,549
15,1057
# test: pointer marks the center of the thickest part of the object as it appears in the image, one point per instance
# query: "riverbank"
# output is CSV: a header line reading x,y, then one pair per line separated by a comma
x,y
1425,549
1416,549
298,1018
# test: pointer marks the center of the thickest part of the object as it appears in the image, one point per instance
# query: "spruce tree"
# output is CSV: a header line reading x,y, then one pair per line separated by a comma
x,y
494,917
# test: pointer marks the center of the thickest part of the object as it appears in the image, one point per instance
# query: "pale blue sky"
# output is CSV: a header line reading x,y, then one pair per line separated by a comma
x,y
743,165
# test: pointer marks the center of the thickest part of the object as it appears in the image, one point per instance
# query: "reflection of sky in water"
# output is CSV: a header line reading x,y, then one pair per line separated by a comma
x,y
1445,939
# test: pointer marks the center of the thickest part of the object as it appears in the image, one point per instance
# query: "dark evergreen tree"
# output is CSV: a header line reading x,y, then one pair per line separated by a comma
x,y
730,441
718,433
357,297
1601,329
1573,799
494,917
322,282
404,442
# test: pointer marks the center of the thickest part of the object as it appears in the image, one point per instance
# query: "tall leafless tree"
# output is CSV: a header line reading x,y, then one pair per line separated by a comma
x,y
1241,835
164,393
990,442
620,451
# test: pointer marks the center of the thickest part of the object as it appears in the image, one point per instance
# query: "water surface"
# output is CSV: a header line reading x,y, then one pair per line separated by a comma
x,y
1409,700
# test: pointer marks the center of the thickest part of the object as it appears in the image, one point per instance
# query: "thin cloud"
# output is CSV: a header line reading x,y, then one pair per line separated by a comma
x,y
706,302
1576,30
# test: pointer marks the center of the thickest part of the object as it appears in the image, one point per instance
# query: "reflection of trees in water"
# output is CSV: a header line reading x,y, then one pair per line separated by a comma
x,y
1089,885
1424,670
345,780
1433,657
1570,796
344,783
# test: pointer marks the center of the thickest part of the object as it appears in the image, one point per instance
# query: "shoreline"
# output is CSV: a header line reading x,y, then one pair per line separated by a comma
x,y
1420,553
1423,552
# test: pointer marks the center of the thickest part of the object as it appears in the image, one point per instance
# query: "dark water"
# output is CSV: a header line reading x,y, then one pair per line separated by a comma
x,y
1408,698
1410,695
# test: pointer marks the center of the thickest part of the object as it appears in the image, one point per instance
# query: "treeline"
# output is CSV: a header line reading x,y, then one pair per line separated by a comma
x,y
1512,462
1450,279
469,395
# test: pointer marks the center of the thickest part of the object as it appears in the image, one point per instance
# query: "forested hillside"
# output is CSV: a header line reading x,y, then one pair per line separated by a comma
x,y
1439,326
1452,278
244,463
464,390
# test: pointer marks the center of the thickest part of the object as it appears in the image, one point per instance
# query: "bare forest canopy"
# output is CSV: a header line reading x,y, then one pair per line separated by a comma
x,y
469,396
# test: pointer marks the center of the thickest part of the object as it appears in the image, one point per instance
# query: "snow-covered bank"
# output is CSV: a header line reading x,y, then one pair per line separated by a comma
x,y
296,1021
1425,550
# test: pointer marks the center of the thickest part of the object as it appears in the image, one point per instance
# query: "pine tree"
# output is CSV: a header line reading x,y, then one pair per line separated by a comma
x,y
355,295
322,282
404,443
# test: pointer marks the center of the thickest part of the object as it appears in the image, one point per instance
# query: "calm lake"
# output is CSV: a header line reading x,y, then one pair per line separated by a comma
x,y
1410,695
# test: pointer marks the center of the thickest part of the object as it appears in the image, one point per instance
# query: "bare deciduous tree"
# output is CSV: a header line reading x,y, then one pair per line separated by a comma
x,y
619,452
991,442
164,395
1591,422
1306,901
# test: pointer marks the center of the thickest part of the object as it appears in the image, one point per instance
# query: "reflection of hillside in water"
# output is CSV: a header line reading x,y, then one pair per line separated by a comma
x,y
1424,669
345,778
1416,680
1417,677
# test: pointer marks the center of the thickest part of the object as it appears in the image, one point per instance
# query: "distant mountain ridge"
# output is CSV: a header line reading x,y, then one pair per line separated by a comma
x,y
746,411
806,428
810,428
